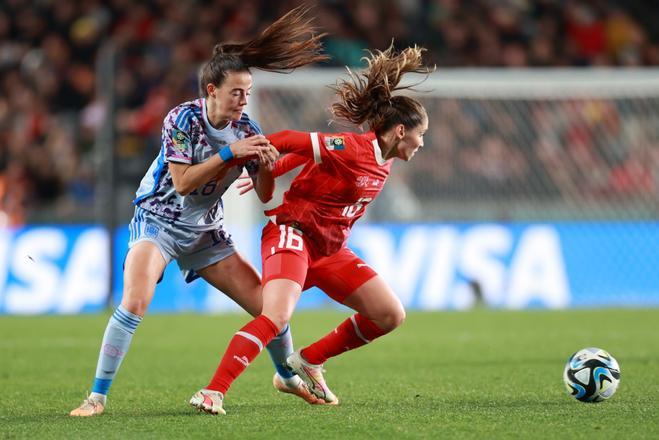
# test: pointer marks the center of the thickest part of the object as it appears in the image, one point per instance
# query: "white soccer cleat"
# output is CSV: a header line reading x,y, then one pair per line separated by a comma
x,y
89,407
208,401
312,375
297,388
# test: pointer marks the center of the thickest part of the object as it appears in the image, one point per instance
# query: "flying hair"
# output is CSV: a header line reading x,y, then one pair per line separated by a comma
x,y
288,43
368,96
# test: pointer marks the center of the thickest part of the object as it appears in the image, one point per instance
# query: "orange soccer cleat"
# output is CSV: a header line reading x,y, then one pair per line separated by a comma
x,y
90,407
312,375
299,389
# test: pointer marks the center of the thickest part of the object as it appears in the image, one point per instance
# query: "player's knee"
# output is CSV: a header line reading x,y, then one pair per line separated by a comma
x,y
136,307
135,302
392,319
278,319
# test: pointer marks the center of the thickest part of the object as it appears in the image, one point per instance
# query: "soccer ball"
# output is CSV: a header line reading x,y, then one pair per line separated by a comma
x,y
591,375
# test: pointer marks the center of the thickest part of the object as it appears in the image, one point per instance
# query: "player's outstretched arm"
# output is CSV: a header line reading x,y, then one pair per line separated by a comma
x,y
288,163
188,177
282,166
291,141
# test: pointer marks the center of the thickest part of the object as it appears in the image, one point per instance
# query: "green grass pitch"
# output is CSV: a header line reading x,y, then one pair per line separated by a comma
x,y
479,374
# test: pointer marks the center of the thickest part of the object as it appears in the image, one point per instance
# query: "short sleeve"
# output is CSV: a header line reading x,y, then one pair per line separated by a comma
x,y
176,137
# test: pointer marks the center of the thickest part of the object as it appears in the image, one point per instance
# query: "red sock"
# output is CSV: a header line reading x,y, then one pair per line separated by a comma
x,y
245,345
352,333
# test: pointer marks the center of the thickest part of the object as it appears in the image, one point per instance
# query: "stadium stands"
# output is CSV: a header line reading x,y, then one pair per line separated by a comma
x,y
50,108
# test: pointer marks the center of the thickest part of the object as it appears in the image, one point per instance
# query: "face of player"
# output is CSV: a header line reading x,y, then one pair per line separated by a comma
x,y
229,100
411,140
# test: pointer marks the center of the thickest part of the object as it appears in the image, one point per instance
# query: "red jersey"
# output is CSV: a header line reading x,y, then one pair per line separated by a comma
x,y
332,190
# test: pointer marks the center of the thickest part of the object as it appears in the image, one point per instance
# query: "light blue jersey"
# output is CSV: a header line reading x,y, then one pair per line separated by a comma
x,y
188,137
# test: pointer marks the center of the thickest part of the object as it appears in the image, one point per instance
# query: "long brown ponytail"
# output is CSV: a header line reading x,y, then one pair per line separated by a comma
x,y
368,96
286,44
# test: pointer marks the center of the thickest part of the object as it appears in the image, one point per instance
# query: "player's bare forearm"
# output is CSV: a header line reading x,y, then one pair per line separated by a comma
x,y
264,184
189,177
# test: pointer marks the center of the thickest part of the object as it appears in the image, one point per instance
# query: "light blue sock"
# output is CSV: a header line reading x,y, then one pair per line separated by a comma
x,y
279,349
116,341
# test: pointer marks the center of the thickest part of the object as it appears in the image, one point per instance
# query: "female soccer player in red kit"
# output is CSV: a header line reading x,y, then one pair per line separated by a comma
x,y
304,244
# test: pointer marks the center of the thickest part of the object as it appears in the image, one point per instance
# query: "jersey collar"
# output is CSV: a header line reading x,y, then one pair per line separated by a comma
x,y
378,153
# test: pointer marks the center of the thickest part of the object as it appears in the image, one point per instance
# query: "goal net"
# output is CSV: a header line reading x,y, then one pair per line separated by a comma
x,y
528,145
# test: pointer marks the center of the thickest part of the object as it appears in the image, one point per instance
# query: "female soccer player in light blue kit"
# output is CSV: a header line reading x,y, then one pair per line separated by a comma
x,y
206,144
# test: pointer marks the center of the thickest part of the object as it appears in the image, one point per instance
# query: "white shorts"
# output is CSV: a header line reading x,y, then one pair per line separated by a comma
x,y
192,250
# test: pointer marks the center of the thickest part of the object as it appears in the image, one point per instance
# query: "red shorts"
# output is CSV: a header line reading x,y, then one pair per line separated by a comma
x,y
285,254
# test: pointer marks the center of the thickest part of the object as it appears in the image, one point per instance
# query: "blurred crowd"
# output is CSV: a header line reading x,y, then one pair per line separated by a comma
x,y
547,158
52,94
579,152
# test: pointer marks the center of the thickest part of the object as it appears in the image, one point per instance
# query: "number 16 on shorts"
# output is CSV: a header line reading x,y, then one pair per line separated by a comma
x,y
289,238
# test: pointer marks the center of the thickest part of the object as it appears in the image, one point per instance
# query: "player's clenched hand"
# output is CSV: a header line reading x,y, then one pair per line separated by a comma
x,y
245,184
250,146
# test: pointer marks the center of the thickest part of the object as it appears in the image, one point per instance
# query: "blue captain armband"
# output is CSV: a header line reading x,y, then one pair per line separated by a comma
x,y
226,154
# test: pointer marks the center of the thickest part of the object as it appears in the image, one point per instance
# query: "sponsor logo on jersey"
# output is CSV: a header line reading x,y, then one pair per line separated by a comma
x,y
362,181
335,143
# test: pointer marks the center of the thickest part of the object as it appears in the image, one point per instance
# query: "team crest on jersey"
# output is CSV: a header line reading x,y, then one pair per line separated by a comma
x,y
151,231
335,143
180,140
